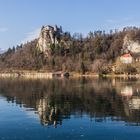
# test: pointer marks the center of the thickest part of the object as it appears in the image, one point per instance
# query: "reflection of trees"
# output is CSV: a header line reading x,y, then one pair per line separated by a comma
x,y
55,100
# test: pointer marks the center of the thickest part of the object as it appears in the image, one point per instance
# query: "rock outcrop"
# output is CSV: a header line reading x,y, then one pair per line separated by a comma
x,y
130,45
48,35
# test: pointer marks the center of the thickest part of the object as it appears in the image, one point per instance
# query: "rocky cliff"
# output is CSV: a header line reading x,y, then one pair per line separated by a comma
x,y
48,35
131,45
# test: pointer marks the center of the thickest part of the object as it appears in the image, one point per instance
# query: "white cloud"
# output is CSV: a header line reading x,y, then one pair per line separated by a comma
x,y
31,35
3,29
119,21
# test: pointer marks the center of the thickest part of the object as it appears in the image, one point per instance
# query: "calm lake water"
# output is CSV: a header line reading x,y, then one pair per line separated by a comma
x,y
70,109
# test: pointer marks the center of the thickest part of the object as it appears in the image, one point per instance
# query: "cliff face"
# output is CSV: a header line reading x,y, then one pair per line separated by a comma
x,y
48,35
130,45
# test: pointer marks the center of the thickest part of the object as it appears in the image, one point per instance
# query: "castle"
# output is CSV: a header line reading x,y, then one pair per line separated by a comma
x,y
49,35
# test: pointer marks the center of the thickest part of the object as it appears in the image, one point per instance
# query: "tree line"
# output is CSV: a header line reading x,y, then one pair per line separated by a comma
x,y
94,53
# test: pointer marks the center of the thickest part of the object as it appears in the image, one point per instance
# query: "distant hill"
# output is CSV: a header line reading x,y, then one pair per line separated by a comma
x,y
56,50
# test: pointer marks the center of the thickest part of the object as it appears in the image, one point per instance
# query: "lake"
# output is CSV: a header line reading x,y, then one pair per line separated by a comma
x,y
70,109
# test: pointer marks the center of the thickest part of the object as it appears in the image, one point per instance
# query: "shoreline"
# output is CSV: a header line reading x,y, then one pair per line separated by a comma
x,y
51,75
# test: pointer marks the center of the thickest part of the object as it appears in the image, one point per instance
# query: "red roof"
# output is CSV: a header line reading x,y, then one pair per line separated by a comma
x,y
127,55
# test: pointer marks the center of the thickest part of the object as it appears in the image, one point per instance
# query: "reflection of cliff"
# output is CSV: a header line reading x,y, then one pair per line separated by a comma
x,y
49,115
56,100
134,103
131,100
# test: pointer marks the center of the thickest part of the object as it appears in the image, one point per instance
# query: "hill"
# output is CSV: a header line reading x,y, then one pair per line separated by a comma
x,y
56,50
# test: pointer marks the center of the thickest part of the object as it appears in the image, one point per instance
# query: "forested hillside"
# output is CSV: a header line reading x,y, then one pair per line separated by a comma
x,y
96,52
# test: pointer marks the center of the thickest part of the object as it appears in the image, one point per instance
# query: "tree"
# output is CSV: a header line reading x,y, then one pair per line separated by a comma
x,y
82,68
53,63
90,35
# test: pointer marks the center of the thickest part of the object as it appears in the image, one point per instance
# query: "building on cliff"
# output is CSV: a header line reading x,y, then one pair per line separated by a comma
x,y
48,35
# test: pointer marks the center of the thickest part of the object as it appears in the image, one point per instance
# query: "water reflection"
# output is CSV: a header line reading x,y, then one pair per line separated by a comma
x,y
56,100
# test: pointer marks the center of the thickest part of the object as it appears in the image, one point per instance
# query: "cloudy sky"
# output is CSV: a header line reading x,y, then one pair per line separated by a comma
x,y
21,20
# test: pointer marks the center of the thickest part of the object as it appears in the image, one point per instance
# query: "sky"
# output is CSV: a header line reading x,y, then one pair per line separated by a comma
x,y
21,20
